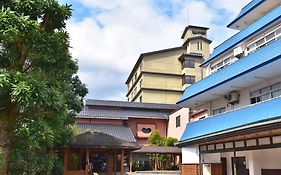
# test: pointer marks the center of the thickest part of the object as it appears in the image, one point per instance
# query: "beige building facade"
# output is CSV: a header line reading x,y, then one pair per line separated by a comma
x,y
161,76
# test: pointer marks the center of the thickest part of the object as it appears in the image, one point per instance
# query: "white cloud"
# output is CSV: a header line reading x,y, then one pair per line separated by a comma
x,y
107,44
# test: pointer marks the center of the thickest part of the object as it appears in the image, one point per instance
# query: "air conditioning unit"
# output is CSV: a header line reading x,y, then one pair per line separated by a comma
x,y
238,52
232,97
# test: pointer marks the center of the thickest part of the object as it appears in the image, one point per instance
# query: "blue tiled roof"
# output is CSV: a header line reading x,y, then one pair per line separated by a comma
x,y
245,10
263,22
265,111
250,63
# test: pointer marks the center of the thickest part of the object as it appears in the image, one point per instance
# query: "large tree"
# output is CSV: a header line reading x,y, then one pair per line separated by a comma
x,y
39,92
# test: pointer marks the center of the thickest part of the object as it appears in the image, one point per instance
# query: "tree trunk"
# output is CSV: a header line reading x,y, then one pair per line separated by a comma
x,y
5,147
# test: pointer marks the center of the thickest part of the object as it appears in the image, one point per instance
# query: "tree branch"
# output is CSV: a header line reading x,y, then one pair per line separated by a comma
x,y
46,19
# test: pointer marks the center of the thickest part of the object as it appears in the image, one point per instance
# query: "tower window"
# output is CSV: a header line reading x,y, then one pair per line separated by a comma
x,y
188,79
199,46
188,64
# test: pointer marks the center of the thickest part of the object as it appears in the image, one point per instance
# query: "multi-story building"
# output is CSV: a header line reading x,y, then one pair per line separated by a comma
x,y
161,76
242,95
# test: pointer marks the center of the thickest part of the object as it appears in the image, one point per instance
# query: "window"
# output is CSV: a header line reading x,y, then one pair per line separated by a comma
x,y
135,91
270,36
199,46
178,121
146,130
201,118
140,98
266,93
188,64
141,66
188,79
219,110
140,83
136,76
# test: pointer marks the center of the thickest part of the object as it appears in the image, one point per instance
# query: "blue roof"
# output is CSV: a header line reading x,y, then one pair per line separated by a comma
x,y
243,66
265,111
245,10
260,24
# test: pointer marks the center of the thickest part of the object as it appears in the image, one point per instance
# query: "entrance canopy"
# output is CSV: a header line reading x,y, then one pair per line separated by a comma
x,y
99,148
258,117
101,140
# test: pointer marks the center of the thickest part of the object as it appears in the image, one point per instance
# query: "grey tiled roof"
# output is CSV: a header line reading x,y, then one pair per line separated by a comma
x,y
118,131
121,113
131,104
158,149
101,140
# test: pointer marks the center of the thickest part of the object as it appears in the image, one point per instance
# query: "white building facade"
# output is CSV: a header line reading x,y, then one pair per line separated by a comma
x,y
242,94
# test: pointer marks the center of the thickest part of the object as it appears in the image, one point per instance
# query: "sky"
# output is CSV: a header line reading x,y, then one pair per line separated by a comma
x,y
108,36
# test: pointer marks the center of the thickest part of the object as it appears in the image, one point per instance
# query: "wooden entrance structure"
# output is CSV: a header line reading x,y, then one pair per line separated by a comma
x,y
92,149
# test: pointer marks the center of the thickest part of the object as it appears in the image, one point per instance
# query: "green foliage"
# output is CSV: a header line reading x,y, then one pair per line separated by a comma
x,y
1,161
156,140
169,141
166,160
39,89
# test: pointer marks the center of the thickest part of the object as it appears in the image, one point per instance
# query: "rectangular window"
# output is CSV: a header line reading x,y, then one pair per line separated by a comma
x,y
188,79
260,42
140,98
141,83
201,118
265,93
188,64
141,66
178,121
219,110
199,46
270,36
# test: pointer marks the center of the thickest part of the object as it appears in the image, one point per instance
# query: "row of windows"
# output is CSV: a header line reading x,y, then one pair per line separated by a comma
x,y
135,89
250,48
267,39
225,62
134,78
266,93
259,95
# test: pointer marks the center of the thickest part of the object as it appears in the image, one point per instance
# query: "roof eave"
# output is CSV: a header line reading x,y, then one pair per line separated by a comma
x,y
254,127
148,54
239,17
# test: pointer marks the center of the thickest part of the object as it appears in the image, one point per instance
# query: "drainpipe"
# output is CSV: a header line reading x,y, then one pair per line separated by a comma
x,y
234,160
167,125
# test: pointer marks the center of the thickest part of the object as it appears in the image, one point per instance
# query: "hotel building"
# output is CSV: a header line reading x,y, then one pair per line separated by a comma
x,y
242,95
161,76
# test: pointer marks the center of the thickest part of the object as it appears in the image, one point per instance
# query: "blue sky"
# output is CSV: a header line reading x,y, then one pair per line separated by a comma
x,y
107,36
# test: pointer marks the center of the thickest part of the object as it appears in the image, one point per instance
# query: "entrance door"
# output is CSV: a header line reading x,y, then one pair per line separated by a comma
x,y
240,166
224,167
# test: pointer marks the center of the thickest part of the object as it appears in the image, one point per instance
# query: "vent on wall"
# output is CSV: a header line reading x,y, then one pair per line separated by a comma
x,y
238,52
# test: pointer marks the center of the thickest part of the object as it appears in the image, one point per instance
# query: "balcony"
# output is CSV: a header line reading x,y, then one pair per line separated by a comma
x,y
267,20
253,116
262,64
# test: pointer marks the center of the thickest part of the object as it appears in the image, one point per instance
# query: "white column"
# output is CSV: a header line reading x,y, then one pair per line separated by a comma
x,y
190,155
254,163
